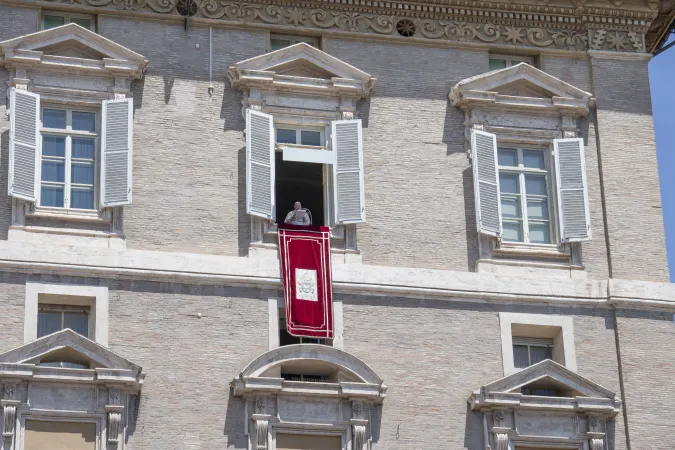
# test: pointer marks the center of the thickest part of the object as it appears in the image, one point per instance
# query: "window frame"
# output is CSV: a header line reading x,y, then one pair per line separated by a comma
x,y
69,134
327,171
294,39
62,309
67,18
523,342
511,60
522,171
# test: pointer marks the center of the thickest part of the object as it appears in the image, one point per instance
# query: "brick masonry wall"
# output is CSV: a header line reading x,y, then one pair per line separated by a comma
x,y
629,167
431,355
647,340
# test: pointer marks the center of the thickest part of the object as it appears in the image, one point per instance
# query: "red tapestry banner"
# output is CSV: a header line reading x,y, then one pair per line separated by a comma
x,y
305,271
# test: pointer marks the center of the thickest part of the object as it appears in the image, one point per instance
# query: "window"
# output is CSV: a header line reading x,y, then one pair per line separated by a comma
x,y
300,181
285,441
53,19
287,339
279,41
68,166
528,339
503,61
524,195
529,351
53,318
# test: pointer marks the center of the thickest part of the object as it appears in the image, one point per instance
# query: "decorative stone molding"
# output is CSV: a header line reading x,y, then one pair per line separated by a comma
x,y
526,23
302,406
545,420
9,405
114,424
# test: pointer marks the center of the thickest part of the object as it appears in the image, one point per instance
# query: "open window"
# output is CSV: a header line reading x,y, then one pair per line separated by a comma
x,y
302,141
531,193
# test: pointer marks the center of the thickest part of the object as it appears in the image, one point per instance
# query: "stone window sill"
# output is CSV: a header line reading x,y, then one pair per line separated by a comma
x,y
524,249
78,215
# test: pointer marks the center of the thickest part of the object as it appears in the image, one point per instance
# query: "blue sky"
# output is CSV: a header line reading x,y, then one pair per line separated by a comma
x,y
662,80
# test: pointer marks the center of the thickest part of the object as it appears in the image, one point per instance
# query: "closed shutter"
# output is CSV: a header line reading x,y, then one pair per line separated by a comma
x,y
347,143
116,152
486,183
24,144
572,189
260,140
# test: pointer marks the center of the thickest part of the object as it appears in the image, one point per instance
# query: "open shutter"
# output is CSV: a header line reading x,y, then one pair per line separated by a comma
x,y
116,152
572,189
260,140
486,183
24,144
347,143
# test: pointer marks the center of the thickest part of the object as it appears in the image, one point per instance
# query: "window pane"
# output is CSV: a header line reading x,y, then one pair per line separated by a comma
x,y
533,159
513,231
311,42
511,207
310,138
85,23
286,136
535,184
51,196
280,43
508,183
537,208
507,157
53,171
84,148
78,322
53,21
54,146
497,64
54,118
84,121
520,358
82,198
540,353
48,323
540,233
82,173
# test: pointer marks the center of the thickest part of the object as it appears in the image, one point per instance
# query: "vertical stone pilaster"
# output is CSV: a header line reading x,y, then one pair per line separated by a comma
x,y
114,410
261,424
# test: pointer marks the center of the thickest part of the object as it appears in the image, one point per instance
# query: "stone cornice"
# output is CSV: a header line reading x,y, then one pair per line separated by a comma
x,y
574,25
352,279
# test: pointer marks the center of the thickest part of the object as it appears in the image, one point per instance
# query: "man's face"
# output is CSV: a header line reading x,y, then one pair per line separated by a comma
x,y
297,206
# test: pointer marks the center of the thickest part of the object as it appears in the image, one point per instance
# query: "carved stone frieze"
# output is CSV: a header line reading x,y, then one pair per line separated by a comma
x,y
547,24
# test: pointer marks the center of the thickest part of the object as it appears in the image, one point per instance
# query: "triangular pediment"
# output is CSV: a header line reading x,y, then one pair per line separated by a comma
x,y
522,80
67,346
548,375
68,39
303,57
301,68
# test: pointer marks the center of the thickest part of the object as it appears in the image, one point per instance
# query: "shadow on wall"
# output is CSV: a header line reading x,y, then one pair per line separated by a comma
x,y
134,408
5,200
471,233
473,430
233,428
243,219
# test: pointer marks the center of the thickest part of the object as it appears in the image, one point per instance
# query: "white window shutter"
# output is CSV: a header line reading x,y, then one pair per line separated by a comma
x,y
348,192
572,190
486,183
116,152
24,144
260,164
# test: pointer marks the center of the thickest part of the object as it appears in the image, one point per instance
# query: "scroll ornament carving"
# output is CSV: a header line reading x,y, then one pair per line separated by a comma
x,y
501,441
315,16
9,418
261,405
498,418
114,425
10,391
261,434
596,444
359,437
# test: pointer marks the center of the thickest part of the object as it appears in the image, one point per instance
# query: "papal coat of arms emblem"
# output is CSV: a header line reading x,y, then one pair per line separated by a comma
x,y
305,285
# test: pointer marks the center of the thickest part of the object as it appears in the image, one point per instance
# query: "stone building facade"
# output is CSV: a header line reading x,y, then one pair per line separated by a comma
x,y
488,170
